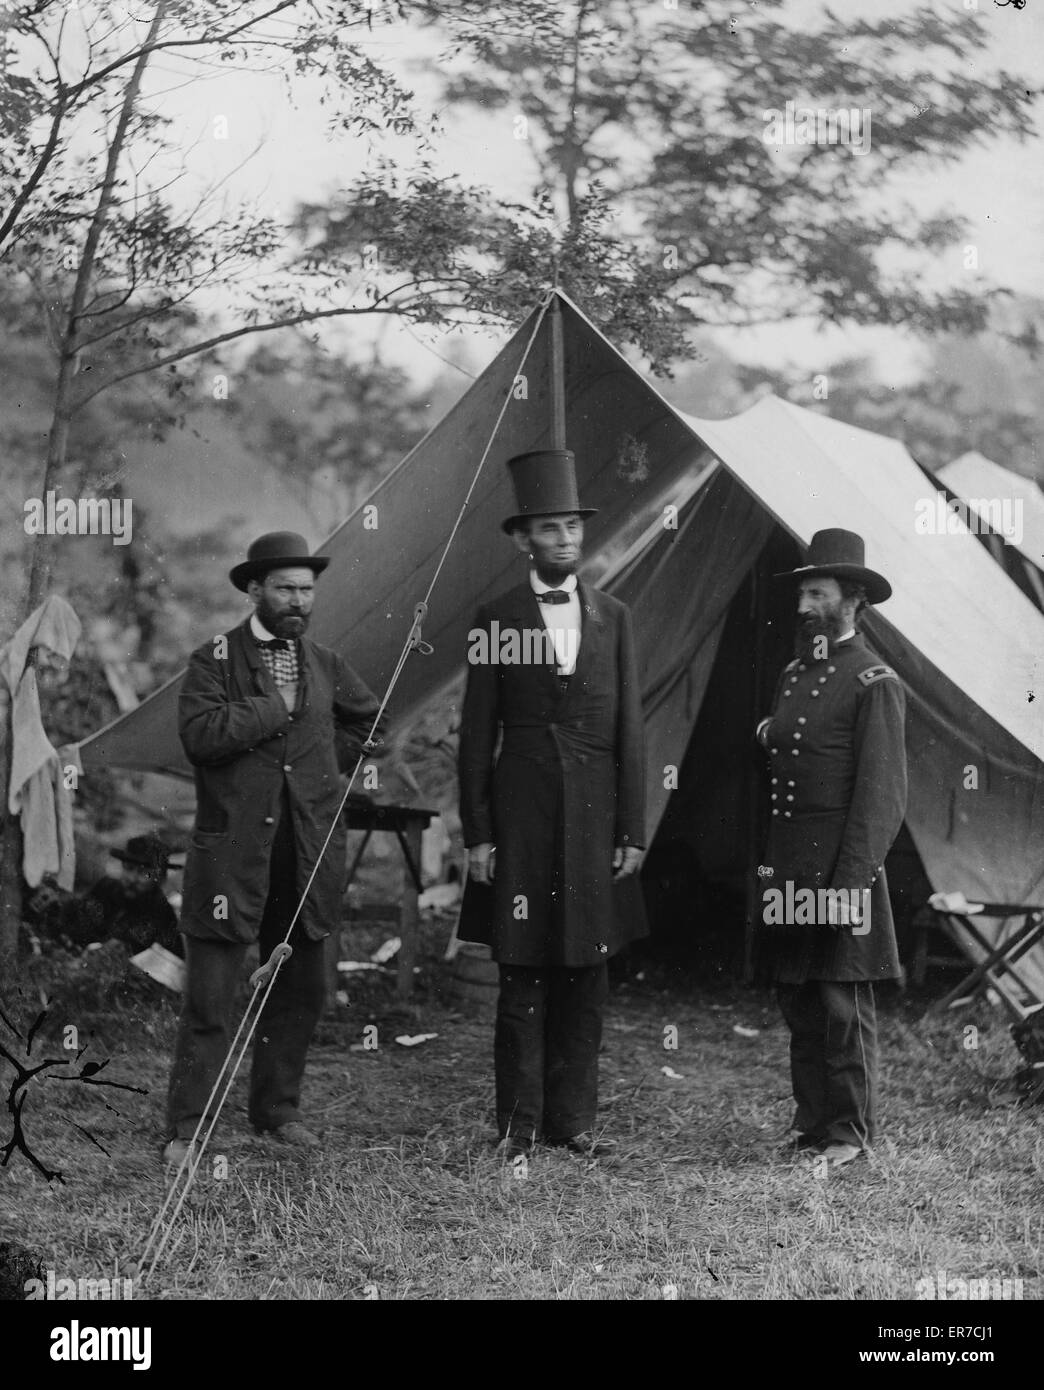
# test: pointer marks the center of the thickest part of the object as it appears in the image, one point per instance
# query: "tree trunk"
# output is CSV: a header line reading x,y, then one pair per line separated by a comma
x,y
65,405
68,363
10,872
572,147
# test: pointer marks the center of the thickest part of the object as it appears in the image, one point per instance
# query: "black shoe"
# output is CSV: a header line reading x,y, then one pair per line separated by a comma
x,y
839,1154
176,1150
512,1146
586,1144
295,1134
796,1142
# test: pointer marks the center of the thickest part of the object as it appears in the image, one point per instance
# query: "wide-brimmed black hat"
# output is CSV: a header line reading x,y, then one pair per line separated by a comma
x,y
842,555
545,485
146,850
275,551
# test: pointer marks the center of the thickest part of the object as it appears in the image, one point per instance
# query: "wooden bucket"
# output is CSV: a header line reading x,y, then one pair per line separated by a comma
x,y
475,983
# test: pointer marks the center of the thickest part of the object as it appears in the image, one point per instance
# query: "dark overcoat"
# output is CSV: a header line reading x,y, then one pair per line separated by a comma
x,y
567,786
838,795
252,757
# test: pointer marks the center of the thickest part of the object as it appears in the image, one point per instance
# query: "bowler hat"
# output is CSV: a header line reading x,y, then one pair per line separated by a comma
x,y
146,850
545,485
274,551
842,555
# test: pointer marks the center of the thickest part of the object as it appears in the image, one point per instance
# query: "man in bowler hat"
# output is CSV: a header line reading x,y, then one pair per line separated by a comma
x,y
835,741
554,822
269,719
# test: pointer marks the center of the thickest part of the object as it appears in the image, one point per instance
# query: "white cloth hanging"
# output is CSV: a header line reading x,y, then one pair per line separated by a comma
x,y
36,790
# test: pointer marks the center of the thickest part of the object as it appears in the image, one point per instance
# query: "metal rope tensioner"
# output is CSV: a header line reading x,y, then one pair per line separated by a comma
x,y
416,641
264,973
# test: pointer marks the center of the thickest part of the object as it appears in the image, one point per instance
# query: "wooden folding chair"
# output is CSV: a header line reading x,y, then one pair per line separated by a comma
x,y
995,961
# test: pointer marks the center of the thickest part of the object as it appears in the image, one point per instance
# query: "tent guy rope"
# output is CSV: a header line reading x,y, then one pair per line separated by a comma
x,y
264,977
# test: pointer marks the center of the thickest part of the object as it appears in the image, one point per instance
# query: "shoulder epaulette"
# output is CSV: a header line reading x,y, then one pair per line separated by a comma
x,y
873,674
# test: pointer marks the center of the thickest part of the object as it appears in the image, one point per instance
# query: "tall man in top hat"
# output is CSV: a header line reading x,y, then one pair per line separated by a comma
x,y
269,719
555,823
835,740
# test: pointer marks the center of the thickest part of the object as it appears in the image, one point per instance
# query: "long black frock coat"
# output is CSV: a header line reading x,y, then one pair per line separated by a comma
x,y
567,787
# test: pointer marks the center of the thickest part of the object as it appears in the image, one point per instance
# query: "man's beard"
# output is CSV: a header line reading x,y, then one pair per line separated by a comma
x,y
286,625
552,573
808,643
138,888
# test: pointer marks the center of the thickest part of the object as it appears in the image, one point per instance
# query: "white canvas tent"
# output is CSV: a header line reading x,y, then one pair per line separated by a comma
x,y
967,643
989,490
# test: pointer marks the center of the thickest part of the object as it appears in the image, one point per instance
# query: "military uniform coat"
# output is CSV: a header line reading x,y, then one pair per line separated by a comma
x,y
252,758
838,796
567,786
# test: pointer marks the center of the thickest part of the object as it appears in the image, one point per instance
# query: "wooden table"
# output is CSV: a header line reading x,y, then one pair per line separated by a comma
x,y
407,824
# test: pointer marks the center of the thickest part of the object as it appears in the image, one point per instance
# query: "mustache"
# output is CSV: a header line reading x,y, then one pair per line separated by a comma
x,y
284,624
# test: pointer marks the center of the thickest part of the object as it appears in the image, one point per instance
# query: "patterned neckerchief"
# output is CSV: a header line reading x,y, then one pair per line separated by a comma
x,y
278,653
280,656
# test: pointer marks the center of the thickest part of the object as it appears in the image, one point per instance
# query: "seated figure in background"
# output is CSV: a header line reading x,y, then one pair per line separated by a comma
x,y
131,909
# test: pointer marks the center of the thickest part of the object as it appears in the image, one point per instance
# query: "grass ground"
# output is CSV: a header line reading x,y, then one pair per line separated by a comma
x,y
408,1201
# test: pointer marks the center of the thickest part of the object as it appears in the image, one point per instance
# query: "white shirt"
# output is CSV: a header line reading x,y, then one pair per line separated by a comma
x,y
261,633
562,620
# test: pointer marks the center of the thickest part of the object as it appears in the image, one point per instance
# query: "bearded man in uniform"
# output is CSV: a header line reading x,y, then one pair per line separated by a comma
x,y
835,740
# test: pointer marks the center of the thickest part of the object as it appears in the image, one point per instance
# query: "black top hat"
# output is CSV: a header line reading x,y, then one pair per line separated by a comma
x,y
274,551
841,554
545,485
147,850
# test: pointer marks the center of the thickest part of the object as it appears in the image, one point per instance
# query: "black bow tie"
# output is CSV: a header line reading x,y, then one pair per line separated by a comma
x,y
274,644
554,596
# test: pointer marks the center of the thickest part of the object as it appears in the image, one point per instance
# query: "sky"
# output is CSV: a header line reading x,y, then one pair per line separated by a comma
x,y
281,154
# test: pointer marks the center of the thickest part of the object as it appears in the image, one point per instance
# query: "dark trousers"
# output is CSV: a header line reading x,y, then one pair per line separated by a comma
x,y
209,1016
545,1049
833,1058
